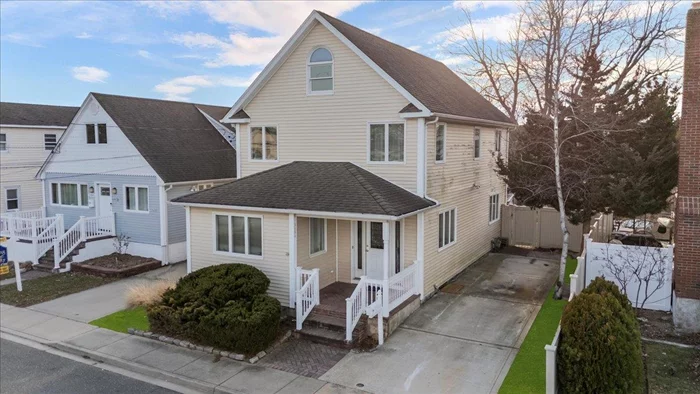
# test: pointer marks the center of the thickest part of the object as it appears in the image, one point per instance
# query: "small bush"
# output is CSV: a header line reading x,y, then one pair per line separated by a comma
x,y
601,286
216,285
600,347
147,294
224,306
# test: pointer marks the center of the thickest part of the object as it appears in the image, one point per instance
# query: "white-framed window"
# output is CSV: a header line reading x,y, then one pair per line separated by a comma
x,y
50,141
204,186
477,143
440,142
3,142
447,232
494,208
319,72
11,195
96,133
238,235
136,198
263,143
317,236
497,142
386,142
69,194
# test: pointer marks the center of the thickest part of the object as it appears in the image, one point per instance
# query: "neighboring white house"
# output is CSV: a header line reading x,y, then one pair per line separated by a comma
x,y
113,172
363,167
28,133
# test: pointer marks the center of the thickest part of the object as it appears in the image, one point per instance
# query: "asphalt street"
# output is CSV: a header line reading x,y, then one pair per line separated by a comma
x,y
27,370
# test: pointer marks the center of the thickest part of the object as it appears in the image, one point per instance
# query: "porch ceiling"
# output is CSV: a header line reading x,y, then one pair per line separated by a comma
x,y
335,187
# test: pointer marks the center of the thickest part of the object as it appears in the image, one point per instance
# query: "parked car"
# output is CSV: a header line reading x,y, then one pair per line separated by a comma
x,y
637,240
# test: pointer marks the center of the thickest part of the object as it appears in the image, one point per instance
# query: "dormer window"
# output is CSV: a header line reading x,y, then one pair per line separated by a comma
x,y
320,72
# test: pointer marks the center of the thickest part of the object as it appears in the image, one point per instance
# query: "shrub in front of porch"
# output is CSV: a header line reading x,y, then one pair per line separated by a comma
x,y
225,306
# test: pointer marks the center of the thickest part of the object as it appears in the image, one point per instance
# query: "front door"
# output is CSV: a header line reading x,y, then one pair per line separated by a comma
x,y
104,199
374,247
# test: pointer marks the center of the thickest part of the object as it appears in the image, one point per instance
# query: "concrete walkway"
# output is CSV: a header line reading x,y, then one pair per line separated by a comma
x,y
94,303
464,339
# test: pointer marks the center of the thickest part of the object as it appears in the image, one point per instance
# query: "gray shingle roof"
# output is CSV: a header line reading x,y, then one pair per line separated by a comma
x,y
36,114
314,186
428,80
174,137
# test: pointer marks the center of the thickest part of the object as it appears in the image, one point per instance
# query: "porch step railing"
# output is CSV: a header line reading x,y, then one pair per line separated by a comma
x,y
308,293
45,240
403,285
84,229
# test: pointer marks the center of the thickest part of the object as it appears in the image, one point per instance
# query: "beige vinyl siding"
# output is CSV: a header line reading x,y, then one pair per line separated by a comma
x,y
328,127
24,156
409,238
275,261
344,251
465,184
324,261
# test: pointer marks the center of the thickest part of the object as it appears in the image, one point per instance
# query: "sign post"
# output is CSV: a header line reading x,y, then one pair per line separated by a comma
x,y
5,267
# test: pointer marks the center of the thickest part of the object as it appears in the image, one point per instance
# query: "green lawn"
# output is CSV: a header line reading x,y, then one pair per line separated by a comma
x,y
527,374
123,320
47,288
671,369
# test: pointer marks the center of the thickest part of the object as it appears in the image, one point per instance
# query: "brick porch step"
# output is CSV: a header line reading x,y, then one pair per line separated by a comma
x,y
330,330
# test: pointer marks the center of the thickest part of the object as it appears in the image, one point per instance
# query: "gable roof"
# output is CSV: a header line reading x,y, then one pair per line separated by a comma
x,y
21,114
176,140
428,85
338,187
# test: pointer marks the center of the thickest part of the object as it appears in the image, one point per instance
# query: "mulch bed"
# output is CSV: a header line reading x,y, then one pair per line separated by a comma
x,y
659,325
116,265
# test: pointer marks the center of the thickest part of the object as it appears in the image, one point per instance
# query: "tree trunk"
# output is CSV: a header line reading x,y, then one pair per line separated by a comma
x,y
562,207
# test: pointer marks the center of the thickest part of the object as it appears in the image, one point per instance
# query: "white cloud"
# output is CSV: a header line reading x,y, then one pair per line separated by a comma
x,y
473,5
279,19
497,28
90,74
22,39
83,36
144,54
414,48
180,88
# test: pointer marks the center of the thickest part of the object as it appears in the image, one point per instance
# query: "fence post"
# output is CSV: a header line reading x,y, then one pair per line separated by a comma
x,y
82,228
317,294
385,298
551,368
380,324
34,233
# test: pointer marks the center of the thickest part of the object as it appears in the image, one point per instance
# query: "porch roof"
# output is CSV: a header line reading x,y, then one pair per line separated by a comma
x,y
338,187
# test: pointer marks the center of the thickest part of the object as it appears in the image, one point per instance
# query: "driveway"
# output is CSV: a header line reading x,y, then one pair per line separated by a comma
x,y
94,303
463,339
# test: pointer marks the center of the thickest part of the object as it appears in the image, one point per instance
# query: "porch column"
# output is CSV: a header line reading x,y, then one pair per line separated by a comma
x,y
163,208
420,245
385,261
292,259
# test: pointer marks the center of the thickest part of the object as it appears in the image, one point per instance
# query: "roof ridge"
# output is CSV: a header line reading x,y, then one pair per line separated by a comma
x,y
353,170
40,105
154,99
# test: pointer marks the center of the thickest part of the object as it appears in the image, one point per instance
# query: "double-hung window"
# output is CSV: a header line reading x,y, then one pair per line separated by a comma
x,y
497,142
12,198
3,142
320,72
447,232
49,141
69,194
96,133
263,143
440,141
386,142
477,143
494,208
136,198
317,236
240,235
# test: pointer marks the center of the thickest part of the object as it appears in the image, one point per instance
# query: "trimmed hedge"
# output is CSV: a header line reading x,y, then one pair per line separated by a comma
x,y
224,306
600,347
601,286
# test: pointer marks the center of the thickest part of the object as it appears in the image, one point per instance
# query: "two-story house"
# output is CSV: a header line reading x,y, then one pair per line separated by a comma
x,y
113,172
363,167
28,134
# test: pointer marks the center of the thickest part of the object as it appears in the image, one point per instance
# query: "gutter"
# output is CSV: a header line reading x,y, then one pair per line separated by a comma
x,y
199,181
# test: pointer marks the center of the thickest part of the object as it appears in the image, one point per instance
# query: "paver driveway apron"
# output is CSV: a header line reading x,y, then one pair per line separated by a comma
x,y
462,340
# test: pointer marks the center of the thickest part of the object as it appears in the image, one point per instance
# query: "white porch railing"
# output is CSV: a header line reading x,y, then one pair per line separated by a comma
x,y
45,240
403,285
307,295
84,229
25,225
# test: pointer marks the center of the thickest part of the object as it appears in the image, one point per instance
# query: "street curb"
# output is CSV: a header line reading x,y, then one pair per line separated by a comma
x,y
26,336
185,382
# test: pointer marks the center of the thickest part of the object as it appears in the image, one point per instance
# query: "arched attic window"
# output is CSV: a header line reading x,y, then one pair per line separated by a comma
x,y
320,72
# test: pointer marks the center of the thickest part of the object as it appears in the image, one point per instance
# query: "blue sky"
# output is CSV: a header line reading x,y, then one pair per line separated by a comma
x,y
57,52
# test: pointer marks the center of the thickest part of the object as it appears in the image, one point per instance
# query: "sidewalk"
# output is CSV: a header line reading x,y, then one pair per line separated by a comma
x,y
190,369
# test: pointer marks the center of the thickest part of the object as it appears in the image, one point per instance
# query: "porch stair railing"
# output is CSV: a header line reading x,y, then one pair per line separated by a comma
x,y
84,229
367,293
403,285
45,240
308,293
